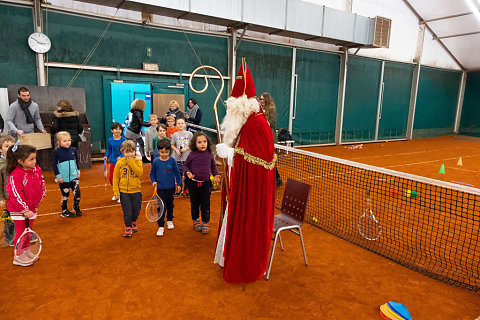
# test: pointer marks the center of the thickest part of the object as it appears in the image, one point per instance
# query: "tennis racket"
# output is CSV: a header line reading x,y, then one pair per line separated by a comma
x,y
25,251
6,237
368,225
105,172
155,209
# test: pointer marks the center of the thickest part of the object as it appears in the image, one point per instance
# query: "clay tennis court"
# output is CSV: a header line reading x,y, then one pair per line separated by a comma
x,y
88,270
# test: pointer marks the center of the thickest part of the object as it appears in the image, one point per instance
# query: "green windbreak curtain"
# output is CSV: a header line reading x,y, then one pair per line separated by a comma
x,y
436,102
397,79
316,97
17,61
126,46
470,122
271,68
361,99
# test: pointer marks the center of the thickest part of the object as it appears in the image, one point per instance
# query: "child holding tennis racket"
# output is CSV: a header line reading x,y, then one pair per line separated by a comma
x,y
127,186
161,135
163,175
198,167
26,190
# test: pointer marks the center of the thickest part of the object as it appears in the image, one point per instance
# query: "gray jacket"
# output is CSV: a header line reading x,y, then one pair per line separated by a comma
x,y
16,119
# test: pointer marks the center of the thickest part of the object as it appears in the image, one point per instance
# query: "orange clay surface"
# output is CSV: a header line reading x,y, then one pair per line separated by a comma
x,y
88,270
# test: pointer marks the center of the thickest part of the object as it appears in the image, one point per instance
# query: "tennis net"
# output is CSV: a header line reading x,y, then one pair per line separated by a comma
x,y
427,225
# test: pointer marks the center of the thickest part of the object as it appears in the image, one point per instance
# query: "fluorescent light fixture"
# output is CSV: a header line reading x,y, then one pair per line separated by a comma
x,y
177,86
474,8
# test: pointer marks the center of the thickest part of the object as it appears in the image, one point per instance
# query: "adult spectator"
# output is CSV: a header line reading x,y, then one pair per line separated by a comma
x,y
65,119
22,114
173,111
193,114
268,105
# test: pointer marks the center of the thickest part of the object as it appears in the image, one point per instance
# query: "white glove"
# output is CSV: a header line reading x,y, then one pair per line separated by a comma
x,y
224,151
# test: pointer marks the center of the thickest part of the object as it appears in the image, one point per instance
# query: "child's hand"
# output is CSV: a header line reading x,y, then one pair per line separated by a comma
x,y
154,184
104,158
78,176
190,175
217,178
178,189
60,180
117,196
178,152
2,203
28,214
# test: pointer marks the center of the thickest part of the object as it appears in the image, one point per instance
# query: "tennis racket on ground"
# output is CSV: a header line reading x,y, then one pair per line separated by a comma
x,y
8,233
25,251
155,209
105,172
368,225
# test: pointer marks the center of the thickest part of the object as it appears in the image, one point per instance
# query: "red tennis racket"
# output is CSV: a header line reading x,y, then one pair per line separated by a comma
x,y
105,172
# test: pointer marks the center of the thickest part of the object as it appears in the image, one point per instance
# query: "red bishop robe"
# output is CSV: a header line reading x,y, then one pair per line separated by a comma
x,y
251,203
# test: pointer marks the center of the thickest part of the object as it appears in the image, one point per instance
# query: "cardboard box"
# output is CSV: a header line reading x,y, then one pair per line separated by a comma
x,y
38,140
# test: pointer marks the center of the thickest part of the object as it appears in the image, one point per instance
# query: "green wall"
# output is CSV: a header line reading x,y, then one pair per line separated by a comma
x,y
470,122
361,99
17,60
316,97
271,68
436,102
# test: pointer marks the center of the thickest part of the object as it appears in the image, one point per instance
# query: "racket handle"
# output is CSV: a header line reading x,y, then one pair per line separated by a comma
x,y
27,223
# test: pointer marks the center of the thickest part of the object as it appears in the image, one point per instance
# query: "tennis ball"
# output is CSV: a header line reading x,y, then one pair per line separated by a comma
x,y
408,193
315,220
414,194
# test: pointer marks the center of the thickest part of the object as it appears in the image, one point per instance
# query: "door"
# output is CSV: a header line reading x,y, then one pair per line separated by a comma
x,y
123,95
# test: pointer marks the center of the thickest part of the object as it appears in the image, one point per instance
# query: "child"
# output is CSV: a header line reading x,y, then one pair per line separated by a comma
x,y
198,167
26,189
180,145
113,149
171,129
150,134
127,186
162,134
5,143
163,175
65,167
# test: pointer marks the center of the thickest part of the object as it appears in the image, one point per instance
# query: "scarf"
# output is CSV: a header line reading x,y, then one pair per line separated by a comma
x,y
192,113
24,105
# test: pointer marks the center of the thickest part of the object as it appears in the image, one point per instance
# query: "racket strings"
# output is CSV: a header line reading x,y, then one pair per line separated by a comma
x,y
154,210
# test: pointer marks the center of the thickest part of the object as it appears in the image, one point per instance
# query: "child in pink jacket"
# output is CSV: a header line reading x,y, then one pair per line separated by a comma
x,y
25,188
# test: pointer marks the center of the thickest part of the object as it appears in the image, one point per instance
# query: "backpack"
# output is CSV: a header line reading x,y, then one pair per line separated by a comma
x,y
284,135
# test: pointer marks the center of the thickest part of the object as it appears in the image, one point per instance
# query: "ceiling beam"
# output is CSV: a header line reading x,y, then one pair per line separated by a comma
x,y
456,35
421,20
448,17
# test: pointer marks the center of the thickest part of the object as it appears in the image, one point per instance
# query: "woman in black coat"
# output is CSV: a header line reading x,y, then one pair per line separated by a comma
x,y
65,119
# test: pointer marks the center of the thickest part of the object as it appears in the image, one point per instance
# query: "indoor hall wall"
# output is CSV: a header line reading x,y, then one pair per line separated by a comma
x,y
316,97
436,102
271,68
125,46
17,61
470,121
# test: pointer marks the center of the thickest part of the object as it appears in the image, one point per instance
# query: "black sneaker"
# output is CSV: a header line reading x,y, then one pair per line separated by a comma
x,y
67,214
78,212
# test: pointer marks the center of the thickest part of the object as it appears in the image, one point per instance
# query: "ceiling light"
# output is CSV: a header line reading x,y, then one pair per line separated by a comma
x,y
474,8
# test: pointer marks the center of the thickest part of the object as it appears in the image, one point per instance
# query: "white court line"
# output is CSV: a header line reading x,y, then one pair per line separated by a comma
x,y
100,207
430,161
94,186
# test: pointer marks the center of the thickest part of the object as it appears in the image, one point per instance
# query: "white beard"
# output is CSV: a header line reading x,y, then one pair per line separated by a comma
x,y
238,111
